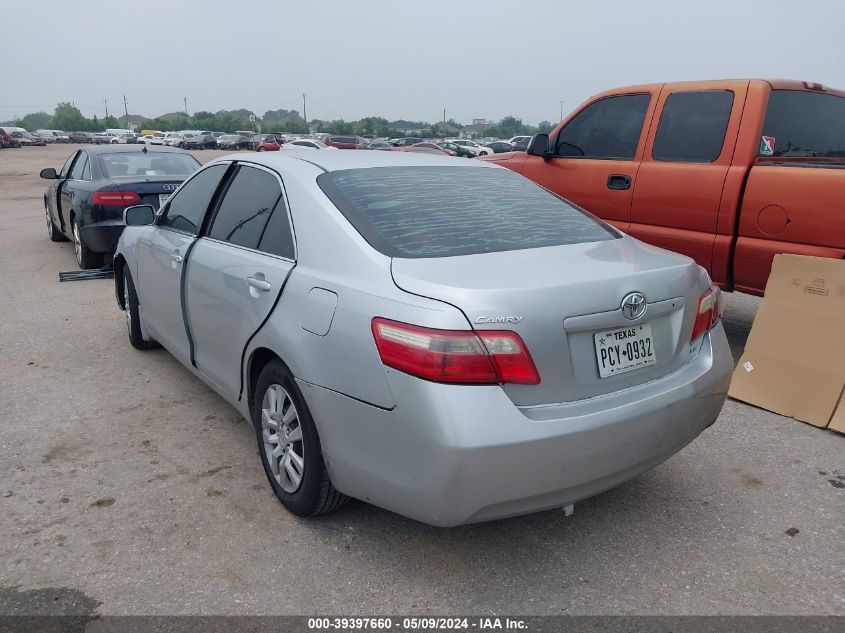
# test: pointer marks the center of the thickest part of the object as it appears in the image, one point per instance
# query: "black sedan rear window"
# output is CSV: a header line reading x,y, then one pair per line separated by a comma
x,y
447,211
147,164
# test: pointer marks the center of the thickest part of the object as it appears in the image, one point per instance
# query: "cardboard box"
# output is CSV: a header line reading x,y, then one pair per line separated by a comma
x,y
794,360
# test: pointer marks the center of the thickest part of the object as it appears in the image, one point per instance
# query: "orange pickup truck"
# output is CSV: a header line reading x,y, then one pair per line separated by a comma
x,y
729,173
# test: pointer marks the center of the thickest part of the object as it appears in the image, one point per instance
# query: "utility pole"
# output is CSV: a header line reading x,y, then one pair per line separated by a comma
x,y
444,115
304,117
106,103
561,110
185,101
125,110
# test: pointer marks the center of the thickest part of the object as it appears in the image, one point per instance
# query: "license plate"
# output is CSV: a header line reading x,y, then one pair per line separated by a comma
x,y
624,349
162,198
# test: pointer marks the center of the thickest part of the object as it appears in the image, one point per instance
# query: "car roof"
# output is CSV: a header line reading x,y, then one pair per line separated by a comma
x,y
354,159
130,148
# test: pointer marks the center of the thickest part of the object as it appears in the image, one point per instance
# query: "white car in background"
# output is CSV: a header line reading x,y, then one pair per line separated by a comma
x,y
157,138
306,143
480,150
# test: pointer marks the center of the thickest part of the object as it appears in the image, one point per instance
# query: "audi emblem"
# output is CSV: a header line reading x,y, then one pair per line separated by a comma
x,y
634,305
169,187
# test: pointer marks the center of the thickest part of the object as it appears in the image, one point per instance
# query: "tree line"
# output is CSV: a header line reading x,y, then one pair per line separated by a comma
x,y
68,117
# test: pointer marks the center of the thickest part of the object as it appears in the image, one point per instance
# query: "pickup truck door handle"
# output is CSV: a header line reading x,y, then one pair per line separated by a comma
x,y
618,181
258,282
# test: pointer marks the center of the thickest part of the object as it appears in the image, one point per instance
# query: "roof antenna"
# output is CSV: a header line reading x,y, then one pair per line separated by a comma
x,y
145,148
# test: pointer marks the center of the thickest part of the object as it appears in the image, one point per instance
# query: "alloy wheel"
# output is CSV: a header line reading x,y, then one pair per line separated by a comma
x,y
77,243
126,305
49,223
281,432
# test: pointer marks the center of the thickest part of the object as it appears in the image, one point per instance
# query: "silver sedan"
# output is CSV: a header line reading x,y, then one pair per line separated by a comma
x,y
439,337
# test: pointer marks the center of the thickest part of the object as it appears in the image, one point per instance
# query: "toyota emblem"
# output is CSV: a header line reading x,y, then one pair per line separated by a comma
x,y
634,305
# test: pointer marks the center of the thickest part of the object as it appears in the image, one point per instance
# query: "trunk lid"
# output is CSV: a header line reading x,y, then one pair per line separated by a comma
x,y
151,189
557,298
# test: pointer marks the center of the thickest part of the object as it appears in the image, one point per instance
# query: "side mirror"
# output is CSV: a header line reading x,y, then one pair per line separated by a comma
x,y
49,174
139,215
539,145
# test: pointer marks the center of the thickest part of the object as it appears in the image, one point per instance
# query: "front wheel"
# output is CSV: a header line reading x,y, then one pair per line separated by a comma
x,y
289,445
85,257
133,321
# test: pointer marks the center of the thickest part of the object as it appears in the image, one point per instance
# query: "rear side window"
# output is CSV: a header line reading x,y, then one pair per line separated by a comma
x,y
805,124
692,126
79,167
246,207
608,128
447,211
278,237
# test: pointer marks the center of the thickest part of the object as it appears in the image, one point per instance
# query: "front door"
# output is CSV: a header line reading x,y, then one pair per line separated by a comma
x,y
236,272
596,156
163,251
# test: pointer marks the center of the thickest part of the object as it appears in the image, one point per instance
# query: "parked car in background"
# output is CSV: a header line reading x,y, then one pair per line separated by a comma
x,y
382,145
480,150
154,138
85,200
758,168
6,138
200,141
80,137
307,143
499,147
98,138
514,353
519,139
234,141
53,136
26,139
127,139
427,147
344,141
520,145
268,143
460,150
405,141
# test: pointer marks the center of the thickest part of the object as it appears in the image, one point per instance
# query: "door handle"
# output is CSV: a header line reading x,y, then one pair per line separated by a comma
x,y
259,283
618,181
177,259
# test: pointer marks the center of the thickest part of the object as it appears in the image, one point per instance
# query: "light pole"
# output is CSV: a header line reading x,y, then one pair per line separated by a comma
x,y
561,110
304,116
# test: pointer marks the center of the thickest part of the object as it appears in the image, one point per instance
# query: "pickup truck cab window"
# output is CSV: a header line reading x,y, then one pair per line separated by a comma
x,y
607,128
692,126
805,124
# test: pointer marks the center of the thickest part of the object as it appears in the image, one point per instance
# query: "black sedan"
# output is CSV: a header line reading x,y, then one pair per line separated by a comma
x,y
499,147
86,199
200,141
461,150
234,141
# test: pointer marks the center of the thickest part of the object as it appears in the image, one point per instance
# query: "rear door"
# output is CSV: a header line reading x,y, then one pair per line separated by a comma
x,y
162,252
236,272
596,155
686,161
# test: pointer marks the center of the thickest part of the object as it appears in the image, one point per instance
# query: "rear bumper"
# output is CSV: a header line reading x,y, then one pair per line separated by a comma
x,y
102,237
448,454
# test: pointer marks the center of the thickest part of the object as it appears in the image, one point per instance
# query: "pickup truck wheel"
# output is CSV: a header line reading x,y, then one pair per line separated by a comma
x,y
133,321
85,257
289,445
53,231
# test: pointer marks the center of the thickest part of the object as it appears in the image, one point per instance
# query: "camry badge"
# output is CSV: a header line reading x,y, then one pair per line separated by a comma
x,y
499,319
634,305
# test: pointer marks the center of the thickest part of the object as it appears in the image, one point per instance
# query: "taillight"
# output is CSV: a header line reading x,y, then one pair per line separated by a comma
x,y
455,356
115,197
710,308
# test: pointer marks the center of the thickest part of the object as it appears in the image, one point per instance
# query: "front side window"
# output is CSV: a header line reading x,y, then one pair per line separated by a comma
x,y
608,128
246,206
186,209
804,124
692,126
446,211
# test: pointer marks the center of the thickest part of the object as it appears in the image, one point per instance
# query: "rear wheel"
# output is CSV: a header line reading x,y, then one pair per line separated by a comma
x,y
289,445
85,257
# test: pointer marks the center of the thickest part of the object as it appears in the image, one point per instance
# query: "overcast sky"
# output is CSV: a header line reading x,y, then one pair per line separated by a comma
x,y
399,59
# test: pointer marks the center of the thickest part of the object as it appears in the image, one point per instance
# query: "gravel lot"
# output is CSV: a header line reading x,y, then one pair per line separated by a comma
x,y
128,487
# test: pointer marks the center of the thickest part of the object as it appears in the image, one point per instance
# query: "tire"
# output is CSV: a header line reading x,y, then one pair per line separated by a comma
x,y
85,257
313,493
133,321
53,231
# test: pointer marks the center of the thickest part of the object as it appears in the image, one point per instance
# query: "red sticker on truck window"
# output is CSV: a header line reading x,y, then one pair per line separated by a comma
x,y
767,146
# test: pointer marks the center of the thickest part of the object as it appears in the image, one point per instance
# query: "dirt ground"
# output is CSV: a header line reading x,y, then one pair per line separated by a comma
x,y
128,487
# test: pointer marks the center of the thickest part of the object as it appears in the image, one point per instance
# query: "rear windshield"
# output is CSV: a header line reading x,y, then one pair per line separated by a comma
x,y
147,164
446,211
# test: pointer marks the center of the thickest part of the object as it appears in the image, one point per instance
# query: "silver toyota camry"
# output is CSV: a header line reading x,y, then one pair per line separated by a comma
x,y
439,337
